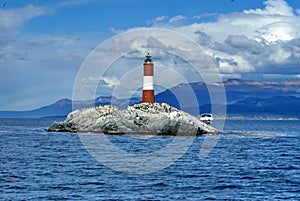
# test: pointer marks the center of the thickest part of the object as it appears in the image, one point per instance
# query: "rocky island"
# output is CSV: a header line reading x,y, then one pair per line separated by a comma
x,y
155,118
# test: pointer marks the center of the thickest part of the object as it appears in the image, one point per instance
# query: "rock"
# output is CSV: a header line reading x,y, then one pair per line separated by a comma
x,y
62,127
144,118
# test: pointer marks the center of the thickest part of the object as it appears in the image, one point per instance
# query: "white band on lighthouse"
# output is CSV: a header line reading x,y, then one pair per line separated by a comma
x,y
148,83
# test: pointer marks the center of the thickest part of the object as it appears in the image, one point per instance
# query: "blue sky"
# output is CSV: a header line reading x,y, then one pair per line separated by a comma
x,y
44,42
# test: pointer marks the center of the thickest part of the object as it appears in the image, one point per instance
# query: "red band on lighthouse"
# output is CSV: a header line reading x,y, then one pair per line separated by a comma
x,y
148,89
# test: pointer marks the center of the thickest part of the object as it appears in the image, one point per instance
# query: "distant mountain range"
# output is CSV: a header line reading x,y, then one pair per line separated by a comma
x,y
236,90
63,107
244,98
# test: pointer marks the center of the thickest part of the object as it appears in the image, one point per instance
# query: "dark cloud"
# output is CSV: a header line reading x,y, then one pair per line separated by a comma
x,y
264,40
242,43
203,38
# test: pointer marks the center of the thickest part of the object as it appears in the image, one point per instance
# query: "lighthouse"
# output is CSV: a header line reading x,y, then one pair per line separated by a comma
x,y
148,89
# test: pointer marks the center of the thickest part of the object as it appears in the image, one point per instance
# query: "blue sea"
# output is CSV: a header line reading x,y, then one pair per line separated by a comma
x,y
254,160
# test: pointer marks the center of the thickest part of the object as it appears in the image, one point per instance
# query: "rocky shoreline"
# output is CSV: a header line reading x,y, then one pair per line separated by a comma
x,y
143,118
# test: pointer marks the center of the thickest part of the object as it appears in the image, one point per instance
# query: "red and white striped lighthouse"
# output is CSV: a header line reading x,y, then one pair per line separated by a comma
x,y
148,89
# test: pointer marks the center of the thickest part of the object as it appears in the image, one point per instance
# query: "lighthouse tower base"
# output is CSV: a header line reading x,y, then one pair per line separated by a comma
x,y
148,96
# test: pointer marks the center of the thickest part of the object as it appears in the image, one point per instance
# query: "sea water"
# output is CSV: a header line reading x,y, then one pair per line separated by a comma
x,y
254,160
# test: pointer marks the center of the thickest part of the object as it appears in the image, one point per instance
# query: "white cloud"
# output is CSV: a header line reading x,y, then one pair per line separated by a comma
x,y
177,18
256,40
158,21
205,15
110,81
253,25
279,55
277,31
12,19
263,42
253,43
42,68
273,7
160,18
